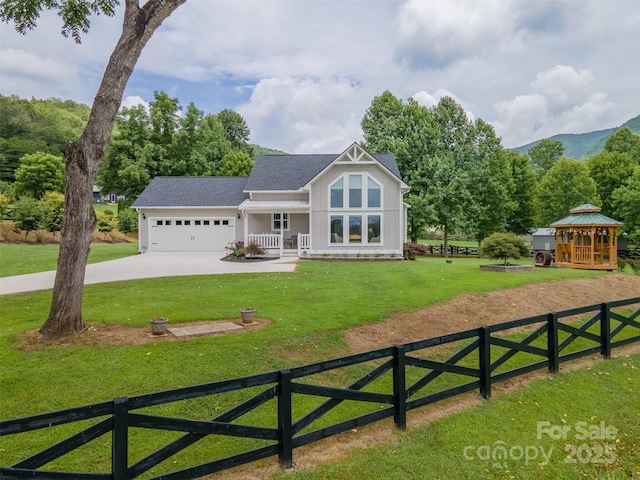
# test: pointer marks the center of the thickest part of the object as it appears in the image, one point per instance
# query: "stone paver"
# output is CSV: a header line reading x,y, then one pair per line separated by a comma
x,y
214,327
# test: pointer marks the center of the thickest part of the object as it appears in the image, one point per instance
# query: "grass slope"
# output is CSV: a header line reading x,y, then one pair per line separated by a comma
x,y
469,445
309,309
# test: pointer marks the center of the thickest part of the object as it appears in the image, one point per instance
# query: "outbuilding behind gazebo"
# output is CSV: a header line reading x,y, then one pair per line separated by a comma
x,y
587,239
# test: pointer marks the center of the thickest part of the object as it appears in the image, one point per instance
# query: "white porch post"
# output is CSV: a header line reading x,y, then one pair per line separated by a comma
x,y
245,228
281,234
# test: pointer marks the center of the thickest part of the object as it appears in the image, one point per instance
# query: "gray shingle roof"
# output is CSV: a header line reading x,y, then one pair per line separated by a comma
x,y
193,192
291,172
270,172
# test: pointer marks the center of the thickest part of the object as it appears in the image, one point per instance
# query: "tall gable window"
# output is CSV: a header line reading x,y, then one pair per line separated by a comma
x,y
356,195
355,191
355,203
373,193
337,194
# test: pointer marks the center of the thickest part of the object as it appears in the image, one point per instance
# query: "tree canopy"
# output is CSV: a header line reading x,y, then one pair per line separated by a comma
x,y
459,175
38,173
544,154
161,141
566,185
84,155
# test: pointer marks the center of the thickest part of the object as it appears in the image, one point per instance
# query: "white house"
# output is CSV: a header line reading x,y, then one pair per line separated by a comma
x,y
316,206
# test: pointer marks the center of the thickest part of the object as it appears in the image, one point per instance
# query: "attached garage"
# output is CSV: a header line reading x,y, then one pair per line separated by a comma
x,y
180,234
190,214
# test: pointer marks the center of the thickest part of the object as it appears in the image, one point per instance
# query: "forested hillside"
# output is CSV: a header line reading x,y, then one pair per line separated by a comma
x,y
581,145
30,126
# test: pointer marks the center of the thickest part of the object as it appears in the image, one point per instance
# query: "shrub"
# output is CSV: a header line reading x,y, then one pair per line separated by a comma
x,y
126,221
635,265
504,246
253,250
622,264
235,249
105,222
28,214
413,250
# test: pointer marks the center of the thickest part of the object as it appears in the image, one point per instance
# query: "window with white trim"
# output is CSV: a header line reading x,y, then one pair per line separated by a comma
x,y
362,191
280,221
355,202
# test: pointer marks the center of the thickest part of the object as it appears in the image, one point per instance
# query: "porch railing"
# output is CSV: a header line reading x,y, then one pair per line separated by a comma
x,y
304,243
265,240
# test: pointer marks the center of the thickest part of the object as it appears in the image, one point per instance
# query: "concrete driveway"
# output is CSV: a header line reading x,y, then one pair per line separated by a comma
x,y
149,265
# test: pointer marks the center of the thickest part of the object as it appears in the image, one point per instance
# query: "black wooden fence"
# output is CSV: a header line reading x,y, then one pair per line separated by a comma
x,y
394,380
453,250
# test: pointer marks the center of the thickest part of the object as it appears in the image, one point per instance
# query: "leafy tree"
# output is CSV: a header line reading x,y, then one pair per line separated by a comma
x,y
566,185
106,222
83,156
381,124
626,200
610,170
490,185
38,173
28,214
126,221
53,209
504,246
624,140
236,131
236,164
544,154
4,205
161,142
458,174
524,216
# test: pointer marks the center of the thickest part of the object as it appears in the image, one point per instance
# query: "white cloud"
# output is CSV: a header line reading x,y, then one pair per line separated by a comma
x,y
303,115
303,73
563,84
134,101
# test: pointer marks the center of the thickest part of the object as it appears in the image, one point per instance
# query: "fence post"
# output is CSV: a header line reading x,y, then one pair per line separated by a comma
x,y
399,387
552,342
120,439
605,330
485,361
284,420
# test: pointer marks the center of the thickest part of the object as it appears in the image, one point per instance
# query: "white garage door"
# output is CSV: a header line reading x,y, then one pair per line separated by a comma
x,y
191,234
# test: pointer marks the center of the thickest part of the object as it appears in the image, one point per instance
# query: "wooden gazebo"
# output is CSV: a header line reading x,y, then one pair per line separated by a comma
x,y
587,239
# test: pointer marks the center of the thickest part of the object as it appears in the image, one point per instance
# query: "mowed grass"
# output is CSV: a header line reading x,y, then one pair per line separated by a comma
x,y
309,309
580,424
20,259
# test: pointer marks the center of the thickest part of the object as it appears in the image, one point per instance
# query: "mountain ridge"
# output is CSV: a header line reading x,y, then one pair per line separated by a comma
x,y
581,145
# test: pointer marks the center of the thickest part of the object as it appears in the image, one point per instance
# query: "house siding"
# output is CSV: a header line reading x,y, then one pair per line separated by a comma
x,y
271,196
391,211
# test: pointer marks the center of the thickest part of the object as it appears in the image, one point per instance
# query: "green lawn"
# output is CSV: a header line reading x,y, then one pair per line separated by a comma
x,y
19,259
518,435
309,309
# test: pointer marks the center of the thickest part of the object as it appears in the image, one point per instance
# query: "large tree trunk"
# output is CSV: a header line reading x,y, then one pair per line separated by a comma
x,y
83,159
446,242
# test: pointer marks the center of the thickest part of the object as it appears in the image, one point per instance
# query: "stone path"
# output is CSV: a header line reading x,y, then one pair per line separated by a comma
x,y
215,327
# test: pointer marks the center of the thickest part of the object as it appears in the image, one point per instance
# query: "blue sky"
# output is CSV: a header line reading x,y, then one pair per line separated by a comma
x,y
302,73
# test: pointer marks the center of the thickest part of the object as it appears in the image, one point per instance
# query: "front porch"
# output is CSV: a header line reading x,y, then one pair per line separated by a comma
x,y
281,245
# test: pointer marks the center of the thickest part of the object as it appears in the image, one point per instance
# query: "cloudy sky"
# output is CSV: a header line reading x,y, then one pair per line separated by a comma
x,y
303,72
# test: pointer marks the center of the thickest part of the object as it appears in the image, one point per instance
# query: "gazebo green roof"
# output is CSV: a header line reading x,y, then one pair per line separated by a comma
x,y
586,214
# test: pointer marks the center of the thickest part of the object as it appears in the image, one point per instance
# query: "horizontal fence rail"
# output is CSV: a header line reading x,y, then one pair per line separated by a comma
x,y
301,405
